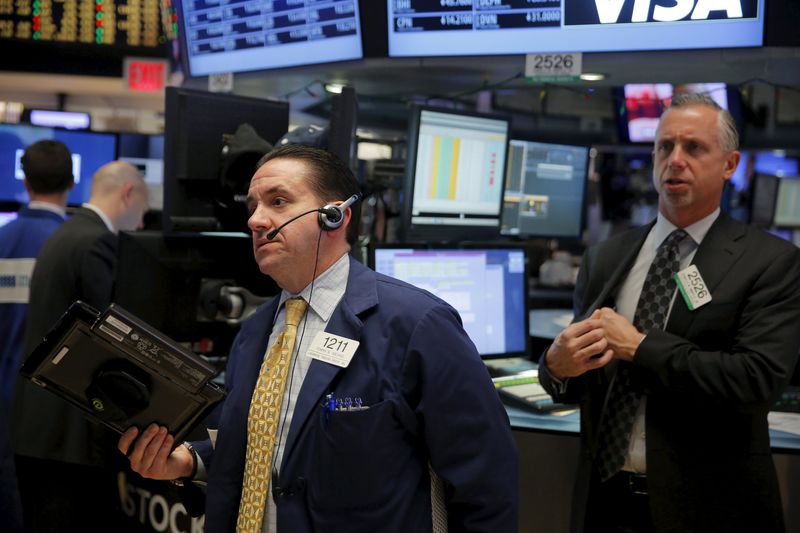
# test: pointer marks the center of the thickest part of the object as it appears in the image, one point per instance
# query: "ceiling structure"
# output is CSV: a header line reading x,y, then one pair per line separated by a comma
x,y
392,81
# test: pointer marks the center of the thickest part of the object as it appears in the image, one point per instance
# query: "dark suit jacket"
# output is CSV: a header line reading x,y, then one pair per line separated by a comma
x,y
430,399
711,377
76,263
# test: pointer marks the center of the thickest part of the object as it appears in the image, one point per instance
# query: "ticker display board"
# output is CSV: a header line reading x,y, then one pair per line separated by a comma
x,y
121,23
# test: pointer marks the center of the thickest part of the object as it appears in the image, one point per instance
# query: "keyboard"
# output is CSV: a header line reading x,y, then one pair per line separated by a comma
x,y
524,391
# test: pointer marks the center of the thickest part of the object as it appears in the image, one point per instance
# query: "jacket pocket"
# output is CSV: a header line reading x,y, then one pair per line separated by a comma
x,y
359,456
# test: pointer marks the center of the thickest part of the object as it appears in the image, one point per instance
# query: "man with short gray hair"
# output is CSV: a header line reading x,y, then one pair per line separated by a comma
x,y
685,334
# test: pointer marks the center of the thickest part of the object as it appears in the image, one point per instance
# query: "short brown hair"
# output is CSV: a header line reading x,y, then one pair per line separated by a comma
x,y
48,167
330,178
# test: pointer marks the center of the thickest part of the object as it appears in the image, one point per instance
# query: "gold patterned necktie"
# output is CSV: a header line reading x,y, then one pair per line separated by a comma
x,y
262,421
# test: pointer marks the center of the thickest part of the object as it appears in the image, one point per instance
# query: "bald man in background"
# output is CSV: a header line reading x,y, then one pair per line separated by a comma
x,y
65,471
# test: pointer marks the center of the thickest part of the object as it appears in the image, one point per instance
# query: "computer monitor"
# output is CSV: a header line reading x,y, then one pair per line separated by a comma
x,y
466,27
787,204
454,175
487,285
196,195
545,190
639,106
776,163
6,217
89,151
145,152
265,34
172,282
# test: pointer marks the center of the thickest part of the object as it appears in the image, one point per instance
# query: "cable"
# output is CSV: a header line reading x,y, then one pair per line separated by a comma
x,y
298,343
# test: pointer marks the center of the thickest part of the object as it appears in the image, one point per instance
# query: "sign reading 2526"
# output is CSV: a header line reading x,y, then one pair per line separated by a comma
x,y
581,12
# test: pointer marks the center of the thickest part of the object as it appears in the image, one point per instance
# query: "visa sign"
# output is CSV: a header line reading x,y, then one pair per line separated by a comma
x,y
579,12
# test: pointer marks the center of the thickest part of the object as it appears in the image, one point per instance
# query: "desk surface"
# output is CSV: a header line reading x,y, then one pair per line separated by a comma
x,y
521,419
569,423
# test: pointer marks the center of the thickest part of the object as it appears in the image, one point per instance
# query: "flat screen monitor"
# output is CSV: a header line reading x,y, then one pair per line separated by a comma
x,y
196,195
455,168
266,34
168,281
775,163
643,103
545,190
483,27
69,120
89,151
6,217
486,285
787,203
146,152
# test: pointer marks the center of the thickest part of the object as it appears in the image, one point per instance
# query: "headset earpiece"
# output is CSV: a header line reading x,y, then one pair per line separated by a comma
x,y
331,216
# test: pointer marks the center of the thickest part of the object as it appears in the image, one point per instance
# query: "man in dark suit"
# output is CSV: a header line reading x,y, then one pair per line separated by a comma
x,y
403,432
674,390
62,458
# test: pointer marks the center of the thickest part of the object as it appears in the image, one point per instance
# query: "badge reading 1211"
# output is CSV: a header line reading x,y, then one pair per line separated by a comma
x,y
333,349
694,290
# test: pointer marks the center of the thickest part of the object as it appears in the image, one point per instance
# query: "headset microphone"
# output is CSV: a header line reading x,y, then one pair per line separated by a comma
x,y
330,216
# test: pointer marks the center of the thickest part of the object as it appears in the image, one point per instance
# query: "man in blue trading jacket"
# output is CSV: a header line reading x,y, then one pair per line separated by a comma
x,y
404,433
674,394
48,179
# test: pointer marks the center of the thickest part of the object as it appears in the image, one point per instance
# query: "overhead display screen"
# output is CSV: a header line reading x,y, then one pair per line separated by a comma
x,y
481,27
238,36
125,23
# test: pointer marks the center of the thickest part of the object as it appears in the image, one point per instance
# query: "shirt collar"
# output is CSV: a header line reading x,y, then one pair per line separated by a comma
x,y
47,206
329,287
696,231
103,216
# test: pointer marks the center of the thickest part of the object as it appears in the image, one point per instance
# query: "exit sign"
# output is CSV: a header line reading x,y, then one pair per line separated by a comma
x,y
145,75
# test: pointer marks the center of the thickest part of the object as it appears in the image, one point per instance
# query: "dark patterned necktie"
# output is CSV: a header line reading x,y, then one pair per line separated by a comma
x,y
625,394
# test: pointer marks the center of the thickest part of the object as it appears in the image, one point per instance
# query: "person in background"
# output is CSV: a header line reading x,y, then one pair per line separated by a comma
x,y
674,389
66,477
400,429
48,179
47,166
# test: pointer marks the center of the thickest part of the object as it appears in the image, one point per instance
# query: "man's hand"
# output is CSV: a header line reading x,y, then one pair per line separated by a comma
x,y
579,348
622,337
152,455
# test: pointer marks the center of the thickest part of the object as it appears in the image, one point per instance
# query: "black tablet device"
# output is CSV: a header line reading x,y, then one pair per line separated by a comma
x,y
122,372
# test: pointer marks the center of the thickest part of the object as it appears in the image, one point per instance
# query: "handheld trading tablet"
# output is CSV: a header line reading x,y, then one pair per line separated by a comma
x,y
122,372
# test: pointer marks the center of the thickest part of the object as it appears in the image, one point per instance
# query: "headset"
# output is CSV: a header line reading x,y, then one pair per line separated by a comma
x,y
330,216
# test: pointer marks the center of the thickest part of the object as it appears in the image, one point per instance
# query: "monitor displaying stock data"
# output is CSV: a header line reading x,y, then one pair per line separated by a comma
x,y
544,190
483,27
456,164
265,34
486,285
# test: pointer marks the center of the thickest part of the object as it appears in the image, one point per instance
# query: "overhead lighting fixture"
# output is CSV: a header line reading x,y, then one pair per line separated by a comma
x,y
593,76
334,88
